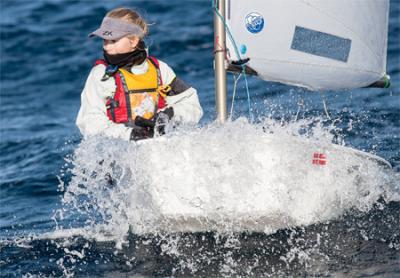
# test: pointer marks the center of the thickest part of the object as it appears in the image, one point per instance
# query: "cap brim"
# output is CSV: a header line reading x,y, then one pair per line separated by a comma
x,y
106,35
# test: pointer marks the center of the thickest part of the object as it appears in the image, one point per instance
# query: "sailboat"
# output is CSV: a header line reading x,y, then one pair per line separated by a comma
x,y
316,44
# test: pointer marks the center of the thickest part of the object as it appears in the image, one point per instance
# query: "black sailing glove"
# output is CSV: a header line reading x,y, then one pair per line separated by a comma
x,y
143,129
162,118
140,133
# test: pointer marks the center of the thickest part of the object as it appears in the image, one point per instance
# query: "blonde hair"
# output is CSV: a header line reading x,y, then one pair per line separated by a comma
x,y
130,15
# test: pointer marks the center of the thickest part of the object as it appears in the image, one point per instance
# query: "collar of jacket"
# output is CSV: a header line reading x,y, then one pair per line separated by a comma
x,y
141,68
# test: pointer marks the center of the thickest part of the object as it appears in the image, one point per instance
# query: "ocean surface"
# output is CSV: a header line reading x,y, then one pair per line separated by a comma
x,y
58,217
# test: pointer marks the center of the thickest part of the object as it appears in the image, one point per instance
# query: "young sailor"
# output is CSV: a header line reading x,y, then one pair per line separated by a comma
x,y
129,94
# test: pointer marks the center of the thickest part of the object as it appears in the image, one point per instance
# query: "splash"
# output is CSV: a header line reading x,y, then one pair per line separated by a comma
x,y
234,200
231,178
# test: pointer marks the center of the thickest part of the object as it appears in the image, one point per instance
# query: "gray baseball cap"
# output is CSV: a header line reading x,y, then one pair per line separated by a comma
x,y
114,29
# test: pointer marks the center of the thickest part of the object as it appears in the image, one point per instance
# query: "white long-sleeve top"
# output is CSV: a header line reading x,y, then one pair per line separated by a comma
x,y
92,117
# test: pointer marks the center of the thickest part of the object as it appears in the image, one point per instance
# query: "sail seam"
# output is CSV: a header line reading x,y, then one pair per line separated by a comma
x,y
318,65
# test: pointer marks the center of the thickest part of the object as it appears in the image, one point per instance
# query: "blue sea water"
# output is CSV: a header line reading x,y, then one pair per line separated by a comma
x,y
45,58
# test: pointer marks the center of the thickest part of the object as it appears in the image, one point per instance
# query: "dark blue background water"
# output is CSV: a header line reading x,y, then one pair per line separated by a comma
x,y
45,58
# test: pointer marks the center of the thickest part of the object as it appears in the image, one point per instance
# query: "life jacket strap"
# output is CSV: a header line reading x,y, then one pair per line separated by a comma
x,y
140,91
111,104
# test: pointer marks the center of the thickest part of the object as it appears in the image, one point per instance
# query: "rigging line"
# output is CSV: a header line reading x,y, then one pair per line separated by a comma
x,y
237,54
248,93
300,106
227,29
325,106
236,79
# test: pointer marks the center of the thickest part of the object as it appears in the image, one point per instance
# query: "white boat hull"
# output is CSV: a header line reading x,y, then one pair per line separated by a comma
x,y
279,183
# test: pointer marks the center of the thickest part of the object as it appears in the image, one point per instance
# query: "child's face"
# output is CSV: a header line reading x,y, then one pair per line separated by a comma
x,y
121,46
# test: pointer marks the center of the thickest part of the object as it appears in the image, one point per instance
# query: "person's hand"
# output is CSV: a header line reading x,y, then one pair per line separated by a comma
x,y
162,118
144,128
145,123
140,133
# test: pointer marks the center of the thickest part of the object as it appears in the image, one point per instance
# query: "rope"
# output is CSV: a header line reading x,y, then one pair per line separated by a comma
x,y
248,93
300,106
325,106
234,94
243,66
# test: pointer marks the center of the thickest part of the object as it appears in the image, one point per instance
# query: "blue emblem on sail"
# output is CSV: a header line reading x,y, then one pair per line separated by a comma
x,y
254,22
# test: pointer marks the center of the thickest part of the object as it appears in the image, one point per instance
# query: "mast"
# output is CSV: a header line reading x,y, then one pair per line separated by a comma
x,y
219,61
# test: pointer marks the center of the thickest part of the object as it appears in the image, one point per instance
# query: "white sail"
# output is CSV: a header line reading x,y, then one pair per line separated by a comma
x,y
318,44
